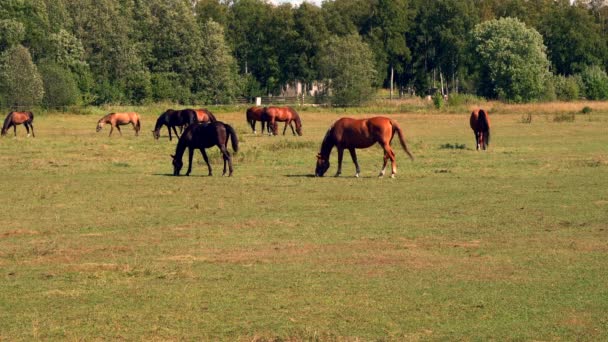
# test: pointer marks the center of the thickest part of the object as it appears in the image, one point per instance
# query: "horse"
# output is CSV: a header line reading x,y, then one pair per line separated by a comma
x,y
118,119
174,118
203,136
257,114
17,118
283,114
480,123
204,115
350,134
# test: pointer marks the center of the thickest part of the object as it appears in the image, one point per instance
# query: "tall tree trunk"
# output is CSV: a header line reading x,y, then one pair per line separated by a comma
x,y
392,80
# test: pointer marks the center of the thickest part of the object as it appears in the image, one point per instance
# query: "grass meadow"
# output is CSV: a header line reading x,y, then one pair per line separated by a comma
x,y
99,242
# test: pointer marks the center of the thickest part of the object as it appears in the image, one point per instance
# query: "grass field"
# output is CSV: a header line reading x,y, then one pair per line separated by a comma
x,y
98,241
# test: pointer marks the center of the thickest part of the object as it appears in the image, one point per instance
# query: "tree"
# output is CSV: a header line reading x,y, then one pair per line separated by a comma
x,y
60,87
347,68
20,82
219,67
512,62
595,81
12,33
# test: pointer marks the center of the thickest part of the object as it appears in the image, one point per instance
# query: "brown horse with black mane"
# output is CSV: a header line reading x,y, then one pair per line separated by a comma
x,y
17,118
254,114
350,134
283,114
119,119
480,123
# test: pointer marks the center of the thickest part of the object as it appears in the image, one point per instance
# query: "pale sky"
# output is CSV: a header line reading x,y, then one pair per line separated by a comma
x,y
297,2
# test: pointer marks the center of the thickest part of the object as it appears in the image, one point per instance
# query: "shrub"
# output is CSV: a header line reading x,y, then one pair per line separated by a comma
x,y
60,87
595,82
566,88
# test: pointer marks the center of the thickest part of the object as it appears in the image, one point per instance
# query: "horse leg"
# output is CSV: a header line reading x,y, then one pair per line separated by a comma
x,y
285,128
206,161
353,155
134,128
388,154
119,131
340,156
190,154
291,125
32,127
175,131
111,129
15,129
169,129
252,124
476,140
227,159
27,128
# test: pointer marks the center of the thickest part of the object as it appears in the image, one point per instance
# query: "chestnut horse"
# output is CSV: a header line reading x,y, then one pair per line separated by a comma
x,y
204,115
204,136
174,118
18,118
283,114
257,114
119,119
350,134
480,123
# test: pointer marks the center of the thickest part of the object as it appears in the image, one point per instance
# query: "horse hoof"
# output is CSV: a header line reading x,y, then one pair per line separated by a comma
x,y
356,175
393,176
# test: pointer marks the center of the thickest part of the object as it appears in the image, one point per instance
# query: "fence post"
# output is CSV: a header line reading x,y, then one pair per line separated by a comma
x,y
258,101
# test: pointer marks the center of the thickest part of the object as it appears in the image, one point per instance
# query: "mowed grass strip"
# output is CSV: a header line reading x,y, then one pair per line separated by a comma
x,y
99,241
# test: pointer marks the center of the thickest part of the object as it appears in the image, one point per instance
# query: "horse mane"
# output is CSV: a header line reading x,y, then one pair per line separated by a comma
x,y
328,143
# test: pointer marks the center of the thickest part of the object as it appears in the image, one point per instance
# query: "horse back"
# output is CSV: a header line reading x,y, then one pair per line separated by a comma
x,y
479,120
255,113
204,115
18,118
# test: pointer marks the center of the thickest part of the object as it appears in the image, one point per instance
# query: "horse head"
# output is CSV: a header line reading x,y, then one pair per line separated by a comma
x,y
156,134
322,165
99,126
177,165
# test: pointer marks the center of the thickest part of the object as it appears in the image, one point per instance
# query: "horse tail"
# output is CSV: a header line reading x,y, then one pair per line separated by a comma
x,y
138,124
233,138
484,124
31,117
397,129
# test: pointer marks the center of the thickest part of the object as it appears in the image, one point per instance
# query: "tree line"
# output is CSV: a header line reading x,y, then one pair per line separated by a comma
x,y
63,52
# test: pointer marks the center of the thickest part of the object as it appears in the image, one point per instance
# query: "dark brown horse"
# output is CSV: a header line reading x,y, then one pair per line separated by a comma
x,y
203,136
350,134
283,114
255,114
17,118
480,123
204,115
174,118
119,119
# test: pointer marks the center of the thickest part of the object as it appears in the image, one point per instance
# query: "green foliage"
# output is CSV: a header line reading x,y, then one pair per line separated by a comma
x,y
348,70
567,87
595,81
438,100
219,67
20,81
60,87
12,33
511,59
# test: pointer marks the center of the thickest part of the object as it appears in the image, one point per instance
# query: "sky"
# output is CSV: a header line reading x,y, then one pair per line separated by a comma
x,y
296,2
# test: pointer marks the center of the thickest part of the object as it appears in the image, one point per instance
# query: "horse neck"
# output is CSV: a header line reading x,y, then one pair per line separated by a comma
x,y
160,122
7,121
327,145
180,148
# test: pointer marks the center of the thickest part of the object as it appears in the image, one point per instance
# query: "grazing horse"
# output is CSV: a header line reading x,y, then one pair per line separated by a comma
x,y
204,115
283,114
118,119
480,123
347,133
18,118
257,114
174,118
202,136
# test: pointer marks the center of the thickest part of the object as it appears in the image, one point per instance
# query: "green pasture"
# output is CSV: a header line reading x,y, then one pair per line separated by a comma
x,y
99,242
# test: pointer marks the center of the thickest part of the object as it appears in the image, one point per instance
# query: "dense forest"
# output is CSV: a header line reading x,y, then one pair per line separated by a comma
x,y
64,52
